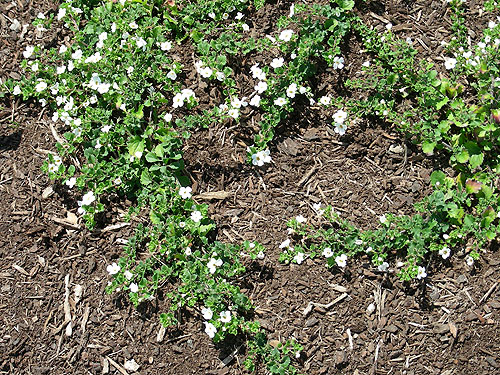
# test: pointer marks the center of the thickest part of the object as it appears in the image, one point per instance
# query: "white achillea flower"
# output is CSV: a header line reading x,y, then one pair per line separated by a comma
x,y
106,128
166,46
88,198
34,67
141,43
206,72
210,330
128,275
255,101
286,35
53,168
113,27
292,11
421,274
449,62
325,100
117,181
207,313
225,316
185,192
211,15
130,70
341,260
236,103
196,216
133,25
445,252
277,62
63,49
113,268
71,65
257,72
260,255
188,251
388,26
382,219
327,252
17,90
280,101
261,87
134,288
239,16
187,94
28,52
60,69
245,27
167,117
299,258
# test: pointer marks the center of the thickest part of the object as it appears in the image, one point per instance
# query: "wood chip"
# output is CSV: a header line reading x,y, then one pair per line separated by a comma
x,y
310,305
20,269
161,334
220,195
117,366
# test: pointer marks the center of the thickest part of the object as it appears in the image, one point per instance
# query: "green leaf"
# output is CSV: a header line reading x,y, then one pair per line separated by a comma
x,y
476,160
155,217
428,147
437,176
441,103
146,177
462,156
136,144
151,157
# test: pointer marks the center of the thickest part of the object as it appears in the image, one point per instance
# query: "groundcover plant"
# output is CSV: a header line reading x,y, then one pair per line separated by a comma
x,y
122,104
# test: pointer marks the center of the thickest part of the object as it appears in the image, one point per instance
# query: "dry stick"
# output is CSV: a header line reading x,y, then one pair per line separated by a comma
x,y
487,294
307,175
349,336
310,305
117,366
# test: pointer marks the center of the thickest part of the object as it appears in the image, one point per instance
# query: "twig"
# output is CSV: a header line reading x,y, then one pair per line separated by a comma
x,y
310,305
487,294
117,366
307,175
349,336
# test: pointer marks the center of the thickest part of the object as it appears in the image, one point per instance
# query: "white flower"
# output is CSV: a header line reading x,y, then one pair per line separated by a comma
x,y
383,267
77,55
261,87
234,113
71,65
28,52
140,43
325,100
134,288
71,182
291,90
34,67
421,274
449,62
63,48
300,219
113,268
117,181
188,251
258,73
196,216
239,16
338,62
172,75
220,76
182,224
225,316
445,252
388,26
280,101
341,260
255,101
167,117
106,128
225,16
469,260
61,13
178,100
285,244
130,70
327,252
318,209
61,69
53,168
113,27
187,93
292,10
261,157
210,330
17,90
213,264
299,258
340,116
88,198
382,219
206,72
286,35
166,46
185,192
42,85
128,275
260,255
98,144
16,25
133,25
340,129
245,27
277,62
207,313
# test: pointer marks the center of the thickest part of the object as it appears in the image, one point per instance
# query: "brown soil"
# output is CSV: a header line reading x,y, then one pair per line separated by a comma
x,y
448,325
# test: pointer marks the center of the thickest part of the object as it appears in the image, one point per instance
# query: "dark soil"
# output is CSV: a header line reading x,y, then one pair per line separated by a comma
x,y
447,325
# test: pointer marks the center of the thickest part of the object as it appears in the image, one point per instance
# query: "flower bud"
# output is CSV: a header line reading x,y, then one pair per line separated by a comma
x,y
495,114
